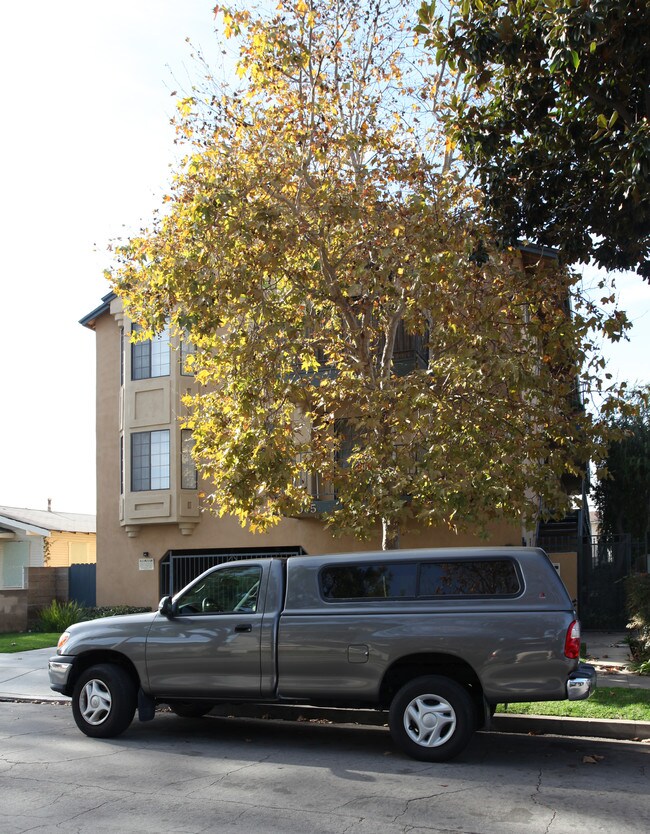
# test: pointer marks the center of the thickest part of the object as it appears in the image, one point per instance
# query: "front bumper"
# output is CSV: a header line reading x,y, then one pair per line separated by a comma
x,y
582,682
59,668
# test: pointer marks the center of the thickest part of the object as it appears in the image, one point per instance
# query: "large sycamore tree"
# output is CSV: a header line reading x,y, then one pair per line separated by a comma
x,y
317,232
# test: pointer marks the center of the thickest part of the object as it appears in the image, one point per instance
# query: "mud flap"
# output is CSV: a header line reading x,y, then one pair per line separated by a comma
x,y
146,706
488,712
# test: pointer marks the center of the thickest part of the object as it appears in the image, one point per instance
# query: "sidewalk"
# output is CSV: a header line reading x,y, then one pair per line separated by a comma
x,y
23,677
609,653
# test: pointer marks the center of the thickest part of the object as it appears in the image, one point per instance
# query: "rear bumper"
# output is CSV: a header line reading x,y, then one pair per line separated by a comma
x,y
581,683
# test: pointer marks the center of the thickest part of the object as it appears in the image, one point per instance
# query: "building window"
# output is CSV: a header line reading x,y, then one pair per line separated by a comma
x,y
344,429
189,479
151,357
187,350
150,460
121,356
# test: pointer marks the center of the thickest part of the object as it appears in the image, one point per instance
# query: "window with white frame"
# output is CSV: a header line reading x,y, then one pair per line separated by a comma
x,y
150,460
151,357
189,478
187,350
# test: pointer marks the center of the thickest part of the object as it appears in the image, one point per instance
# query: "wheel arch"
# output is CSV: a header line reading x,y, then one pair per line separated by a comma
x,y
93,658
419,664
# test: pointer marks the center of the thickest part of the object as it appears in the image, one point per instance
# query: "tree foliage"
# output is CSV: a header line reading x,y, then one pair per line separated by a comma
x,y
622,493
559,133
317,227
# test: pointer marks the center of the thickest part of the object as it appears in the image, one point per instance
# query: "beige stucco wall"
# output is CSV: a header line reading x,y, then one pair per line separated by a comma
x,y
568,570
64,549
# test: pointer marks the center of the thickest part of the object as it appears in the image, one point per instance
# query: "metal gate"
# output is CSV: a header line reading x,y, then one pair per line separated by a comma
x,y
179,568
82,584
605,562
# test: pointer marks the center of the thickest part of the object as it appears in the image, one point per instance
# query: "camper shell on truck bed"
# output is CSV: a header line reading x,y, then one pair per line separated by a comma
x,y
437,637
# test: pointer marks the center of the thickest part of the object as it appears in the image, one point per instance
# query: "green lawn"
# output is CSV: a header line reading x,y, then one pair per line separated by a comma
x,y
606,702
10,643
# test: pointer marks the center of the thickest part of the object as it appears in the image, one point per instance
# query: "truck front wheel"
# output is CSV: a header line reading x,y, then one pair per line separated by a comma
x,y
432,718
104,701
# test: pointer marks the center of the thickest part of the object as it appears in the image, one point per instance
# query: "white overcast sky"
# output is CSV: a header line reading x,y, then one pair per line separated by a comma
x,y
86,148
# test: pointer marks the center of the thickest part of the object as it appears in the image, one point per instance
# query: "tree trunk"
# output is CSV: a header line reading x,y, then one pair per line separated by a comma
x,y
389,535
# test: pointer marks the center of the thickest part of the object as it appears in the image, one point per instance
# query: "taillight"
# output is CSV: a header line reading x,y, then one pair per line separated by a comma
x,y
572,641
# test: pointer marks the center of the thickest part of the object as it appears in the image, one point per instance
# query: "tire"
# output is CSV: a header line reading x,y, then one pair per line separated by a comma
x,y
432,718
189,709
104,700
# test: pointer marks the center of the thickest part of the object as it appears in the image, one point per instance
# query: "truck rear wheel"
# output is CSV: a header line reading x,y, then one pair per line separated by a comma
x,y
432,718
104,701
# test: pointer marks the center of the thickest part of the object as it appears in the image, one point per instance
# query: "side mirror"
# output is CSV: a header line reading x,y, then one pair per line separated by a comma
x,y
166,608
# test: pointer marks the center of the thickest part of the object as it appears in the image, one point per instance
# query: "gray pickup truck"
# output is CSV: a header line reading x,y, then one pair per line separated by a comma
x,y
436,637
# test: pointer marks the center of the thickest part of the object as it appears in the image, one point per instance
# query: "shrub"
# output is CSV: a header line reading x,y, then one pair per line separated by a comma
x,y
113,611
57,616
637,593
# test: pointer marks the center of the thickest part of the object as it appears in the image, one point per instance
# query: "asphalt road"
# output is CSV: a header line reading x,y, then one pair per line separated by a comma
x,y
256,777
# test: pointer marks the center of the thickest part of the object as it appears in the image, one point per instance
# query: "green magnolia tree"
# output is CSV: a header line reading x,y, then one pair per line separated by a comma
x,y
317,235
558,130
622,493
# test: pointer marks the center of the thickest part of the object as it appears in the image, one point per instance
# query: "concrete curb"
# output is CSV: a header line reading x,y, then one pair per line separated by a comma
x,y
501,723
33,699
603,728
564,726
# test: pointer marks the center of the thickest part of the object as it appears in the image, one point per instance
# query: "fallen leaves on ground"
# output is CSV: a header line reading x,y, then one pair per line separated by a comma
x,y
592,759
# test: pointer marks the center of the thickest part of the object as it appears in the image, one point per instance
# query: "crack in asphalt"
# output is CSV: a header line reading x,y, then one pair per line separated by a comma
x,y
536,800
228,773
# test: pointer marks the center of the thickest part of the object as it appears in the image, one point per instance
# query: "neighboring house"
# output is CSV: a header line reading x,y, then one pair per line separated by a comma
x,y
42,538
152,534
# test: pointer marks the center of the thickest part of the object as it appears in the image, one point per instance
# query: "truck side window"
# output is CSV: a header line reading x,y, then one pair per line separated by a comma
x,y
224,591
477,577
380,581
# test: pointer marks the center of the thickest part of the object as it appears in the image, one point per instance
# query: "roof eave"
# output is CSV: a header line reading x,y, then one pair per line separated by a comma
x,y
90,319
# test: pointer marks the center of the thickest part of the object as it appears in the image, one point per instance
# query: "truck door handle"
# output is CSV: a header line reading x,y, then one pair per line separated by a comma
x,y
244,627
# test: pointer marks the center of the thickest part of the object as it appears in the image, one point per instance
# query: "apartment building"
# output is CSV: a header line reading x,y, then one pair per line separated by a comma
x,y
153,531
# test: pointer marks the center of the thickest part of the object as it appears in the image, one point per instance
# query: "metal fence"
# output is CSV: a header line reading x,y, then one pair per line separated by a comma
x,y
179,568
606,567
604,562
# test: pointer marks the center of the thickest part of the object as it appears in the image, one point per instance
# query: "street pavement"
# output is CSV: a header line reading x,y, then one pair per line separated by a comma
x,y
189,776
24,677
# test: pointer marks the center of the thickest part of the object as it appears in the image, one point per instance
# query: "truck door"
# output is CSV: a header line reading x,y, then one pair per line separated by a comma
x,y
210,647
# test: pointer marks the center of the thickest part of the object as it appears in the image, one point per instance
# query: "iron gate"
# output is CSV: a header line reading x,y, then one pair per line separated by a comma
x,y
605,562
179,568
